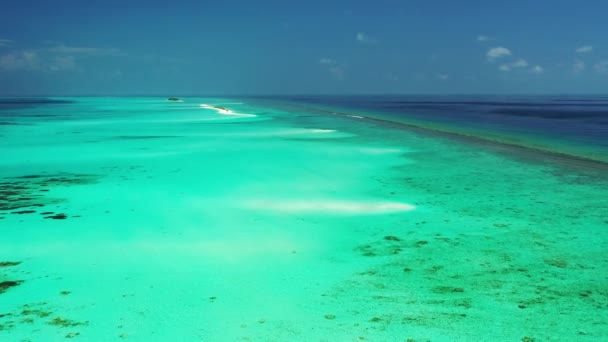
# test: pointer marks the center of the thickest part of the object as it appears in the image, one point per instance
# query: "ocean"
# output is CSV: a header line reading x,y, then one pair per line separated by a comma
x,y
576,126
304,218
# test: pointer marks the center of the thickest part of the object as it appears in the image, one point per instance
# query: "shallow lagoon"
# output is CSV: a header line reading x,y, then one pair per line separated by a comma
x,y
181,222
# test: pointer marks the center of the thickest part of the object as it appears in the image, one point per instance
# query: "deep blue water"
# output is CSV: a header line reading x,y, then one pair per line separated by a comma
x,y
566,120
10,109
27,102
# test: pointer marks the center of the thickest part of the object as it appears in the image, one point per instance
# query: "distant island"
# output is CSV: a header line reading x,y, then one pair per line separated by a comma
x,y
175,99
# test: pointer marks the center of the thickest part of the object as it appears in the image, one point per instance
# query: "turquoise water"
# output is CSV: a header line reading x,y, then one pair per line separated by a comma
x,y
168,220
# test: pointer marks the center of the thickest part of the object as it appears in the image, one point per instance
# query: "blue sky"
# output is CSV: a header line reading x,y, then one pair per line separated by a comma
x,y
302,47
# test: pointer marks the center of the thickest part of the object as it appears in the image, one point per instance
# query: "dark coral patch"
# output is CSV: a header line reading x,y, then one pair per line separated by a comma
x,y
9,263
57,217
447,289
21,212
20,194
63,322
5,285
35,312
392,238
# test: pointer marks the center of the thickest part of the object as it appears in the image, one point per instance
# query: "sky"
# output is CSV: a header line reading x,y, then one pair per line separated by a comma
x,y
187,47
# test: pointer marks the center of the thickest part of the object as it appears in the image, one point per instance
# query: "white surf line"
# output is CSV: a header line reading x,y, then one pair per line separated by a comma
x,y
270,133
225,111
329,206
349,115
302,131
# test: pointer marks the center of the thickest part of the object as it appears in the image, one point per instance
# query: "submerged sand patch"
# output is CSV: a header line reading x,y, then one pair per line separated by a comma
x,y
329,206
380,235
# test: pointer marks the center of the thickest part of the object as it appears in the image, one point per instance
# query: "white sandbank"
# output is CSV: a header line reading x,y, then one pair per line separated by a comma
x,y
225,111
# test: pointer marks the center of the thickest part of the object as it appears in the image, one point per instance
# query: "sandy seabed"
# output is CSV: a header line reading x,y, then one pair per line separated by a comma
x,y
142,220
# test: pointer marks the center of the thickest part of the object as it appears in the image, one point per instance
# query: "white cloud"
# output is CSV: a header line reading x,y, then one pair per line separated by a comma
x,y
62,63
392,77
5,42
335,69
537,69
91,51
498,52
442,77
337,72
520,63
364,38
482,38
327,61
578,66
25,60
55,58
419,76
601,67
34,61
585,49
